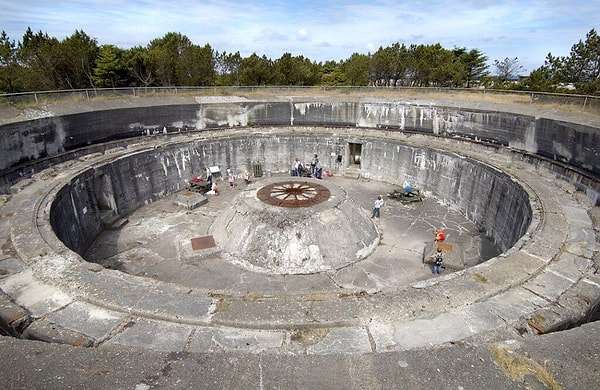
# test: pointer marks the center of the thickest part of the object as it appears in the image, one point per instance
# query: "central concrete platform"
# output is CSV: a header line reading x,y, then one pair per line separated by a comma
x,y
156,241
299,226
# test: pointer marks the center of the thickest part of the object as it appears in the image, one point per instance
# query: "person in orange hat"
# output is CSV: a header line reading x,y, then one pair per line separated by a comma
x,y
439,234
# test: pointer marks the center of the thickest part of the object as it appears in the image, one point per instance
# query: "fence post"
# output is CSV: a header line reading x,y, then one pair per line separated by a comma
x,y
584,102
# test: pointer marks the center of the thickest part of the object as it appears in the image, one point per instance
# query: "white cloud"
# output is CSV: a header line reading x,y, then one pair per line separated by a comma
x,y
302,34
527,30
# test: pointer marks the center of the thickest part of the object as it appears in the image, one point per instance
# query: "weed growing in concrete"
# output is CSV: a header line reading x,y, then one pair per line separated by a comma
x,y
516,366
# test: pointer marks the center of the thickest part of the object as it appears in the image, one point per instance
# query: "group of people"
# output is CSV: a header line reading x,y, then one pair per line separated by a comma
x,y
439,236
231,179
438,256
314,169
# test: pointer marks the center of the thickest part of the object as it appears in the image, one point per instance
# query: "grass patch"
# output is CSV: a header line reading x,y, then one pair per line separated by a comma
x,y
221,306
250,296
517,366
559,102
480,278
320,297
537,317
222,301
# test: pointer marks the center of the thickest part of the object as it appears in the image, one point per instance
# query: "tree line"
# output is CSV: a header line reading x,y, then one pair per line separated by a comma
x,y
40,62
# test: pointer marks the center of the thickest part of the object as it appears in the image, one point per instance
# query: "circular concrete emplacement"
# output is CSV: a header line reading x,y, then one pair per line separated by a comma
x,y
298,226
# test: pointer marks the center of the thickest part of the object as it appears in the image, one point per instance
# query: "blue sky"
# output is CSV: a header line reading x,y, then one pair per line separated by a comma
x,y
317,29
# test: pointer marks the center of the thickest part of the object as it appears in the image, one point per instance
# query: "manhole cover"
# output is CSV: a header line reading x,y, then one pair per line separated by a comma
x,y
293,194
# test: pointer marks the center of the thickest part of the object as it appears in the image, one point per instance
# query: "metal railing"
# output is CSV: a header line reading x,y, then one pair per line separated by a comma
x,y
586,103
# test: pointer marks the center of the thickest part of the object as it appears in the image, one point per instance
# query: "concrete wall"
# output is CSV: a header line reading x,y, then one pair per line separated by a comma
x,y
488,197
495,203
29,141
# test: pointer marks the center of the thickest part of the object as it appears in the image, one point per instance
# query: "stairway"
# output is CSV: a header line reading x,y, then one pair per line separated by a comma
x,y
353,171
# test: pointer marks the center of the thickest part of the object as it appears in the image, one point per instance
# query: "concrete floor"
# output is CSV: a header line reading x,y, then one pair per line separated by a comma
x,y
155,243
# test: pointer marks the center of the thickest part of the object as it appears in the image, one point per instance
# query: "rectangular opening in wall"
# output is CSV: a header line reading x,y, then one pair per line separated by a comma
x,y
355,152
105,198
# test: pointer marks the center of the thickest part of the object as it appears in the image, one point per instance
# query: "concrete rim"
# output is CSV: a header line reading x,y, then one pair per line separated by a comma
x,y
484,298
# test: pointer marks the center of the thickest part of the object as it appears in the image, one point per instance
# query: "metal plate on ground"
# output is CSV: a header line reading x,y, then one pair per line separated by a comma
x,y
205,242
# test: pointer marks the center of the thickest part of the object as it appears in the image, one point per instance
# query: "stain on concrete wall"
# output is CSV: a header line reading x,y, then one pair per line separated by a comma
x,y
28,141
489,198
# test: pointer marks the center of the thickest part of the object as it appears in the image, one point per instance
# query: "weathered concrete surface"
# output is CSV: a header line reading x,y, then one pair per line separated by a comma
x,y
129,178
156,242
516,292
324,237
547,281
566,360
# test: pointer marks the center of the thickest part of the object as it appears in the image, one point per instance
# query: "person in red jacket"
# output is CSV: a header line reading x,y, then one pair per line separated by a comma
x,y
440,236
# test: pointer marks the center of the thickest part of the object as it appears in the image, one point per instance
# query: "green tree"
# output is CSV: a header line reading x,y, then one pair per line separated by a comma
x,y
109,70
356,70
402,61
432,66
332,74
139,69
233,62
538,80
382,67
227,68
256,70
290,70
39,55
581,67
508,69
77,56
10,72
469,66
196,66
165,54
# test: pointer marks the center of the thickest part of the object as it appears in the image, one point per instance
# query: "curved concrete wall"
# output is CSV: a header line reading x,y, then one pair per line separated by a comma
x,y
490,198
574,144
548,281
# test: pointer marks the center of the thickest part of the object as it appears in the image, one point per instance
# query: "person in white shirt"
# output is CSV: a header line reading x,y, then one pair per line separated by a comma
x,y
377,207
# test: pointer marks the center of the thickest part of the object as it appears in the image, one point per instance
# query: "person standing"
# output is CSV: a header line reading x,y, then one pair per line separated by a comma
x,y
377,207
313,164
437,262
209,177
318,169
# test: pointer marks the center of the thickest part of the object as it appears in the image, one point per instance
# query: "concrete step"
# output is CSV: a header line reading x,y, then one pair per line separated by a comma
x,y
352,172
112,221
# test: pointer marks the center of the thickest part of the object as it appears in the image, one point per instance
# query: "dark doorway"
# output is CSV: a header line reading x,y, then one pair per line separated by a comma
x,y
355,152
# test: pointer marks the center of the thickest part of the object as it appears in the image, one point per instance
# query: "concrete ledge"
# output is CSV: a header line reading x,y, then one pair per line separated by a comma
x,y
49,332
13,318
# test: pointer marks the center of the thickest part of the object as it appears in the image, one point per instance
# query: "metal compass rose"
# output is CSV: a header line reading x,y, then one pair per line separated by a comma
x,y
293,194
